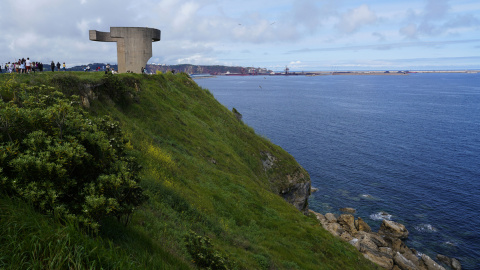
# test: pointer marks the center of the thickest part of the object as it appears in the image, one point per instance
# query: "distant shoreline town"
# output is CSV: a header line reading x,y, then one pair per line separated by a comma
x,y
219,70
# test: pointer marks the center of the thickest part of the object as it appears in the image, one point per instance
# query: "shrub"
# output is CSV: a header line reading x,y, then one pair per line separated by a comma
x,y
63,162
121,89
204,254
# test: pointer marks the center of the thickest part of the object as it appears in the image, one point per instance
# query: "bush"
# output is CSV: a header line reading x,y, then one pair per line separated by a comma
x,y
121,89
203,253
63,162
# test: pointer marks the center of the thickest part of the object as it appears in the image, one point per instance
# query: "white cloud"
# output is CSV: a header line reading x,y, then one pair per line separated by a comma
x,y
221,31
356,18
409,31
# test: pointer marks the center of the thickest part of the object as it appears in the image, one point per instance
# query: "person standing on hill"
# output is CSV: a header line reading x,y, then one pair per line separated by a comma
x,y
64,67
58,66
52,66
28,65
22,66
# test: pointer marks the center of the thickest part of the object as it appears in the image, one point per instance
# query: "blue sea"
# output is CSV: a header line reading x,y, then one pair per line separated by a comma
x,y
404,148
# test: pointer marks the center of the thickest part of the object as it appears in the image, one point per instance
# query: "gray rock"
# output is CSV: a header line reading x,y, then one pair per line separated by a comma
x,y
319,216
370,241
451,262
330,218
346,237
431,264
298,191
386,250
268,161
393,229
348,223
382,259
334,228
403,263
361,225
348,210
354,242
456,265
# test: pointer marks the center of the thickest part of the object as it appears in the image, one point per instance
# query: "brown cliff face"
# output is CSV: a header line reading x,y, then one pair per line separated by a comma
x,y
288,179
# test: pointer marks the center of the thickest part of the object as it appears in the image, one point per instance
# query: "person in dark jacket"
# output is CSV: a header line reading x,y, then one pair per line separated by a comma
x,y
52,66
58,66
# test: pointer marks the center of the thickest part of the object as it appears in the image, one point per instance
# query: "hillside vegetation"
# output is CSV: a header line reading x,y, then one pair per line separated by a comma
x,y
208,199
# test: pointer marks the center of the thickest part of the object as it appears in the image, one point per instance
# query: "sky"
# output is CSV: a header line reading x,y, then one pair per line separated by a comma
x,y
305,35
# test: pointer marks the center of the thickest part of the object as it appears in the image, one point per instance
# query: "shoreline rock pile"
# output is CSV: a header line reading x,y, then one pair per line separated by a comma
x,y
385,247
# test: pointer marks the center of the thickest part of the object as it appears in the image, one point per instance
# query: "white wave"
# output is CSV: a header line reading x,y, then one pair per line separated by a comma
x,y
425,228
449,243
380,216
366,196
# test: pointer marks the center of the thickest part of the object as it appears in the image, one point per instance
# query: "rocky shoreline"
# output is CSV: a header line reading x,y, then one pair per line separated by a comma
x,y
385,247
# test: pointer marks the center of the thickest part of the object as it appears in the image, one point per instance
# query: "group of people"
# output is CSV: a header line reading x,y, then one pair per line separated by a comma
x,y
26,66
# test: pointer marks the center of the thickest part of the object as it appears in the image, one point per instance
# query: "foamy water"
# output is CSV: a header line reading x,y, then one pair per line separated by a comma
x,y
381,216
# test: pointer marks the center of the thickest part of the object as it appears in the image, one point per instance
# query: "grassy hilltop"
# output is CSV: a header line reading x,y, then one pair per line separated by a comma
x,y
210,201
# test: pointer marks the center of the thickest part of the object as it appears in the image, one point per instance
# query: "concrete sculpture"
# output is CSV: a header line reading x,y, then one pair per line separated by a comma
x,y
134,45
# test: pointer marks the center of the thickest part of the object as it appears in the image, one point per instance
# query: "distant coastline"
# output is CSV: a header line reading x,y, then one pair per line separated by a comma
x,y
219,70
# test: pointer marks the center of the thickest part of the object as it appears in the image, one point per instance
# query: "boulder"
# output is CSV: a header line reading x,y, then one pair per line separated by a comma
x,y
334,228
346,237
348,223
313,189
319,216
348,210
393,229
386,250
411,256
456,265
383,260
451,262
361,225
369,241
403,263
354,242
431,264
330,218
397,245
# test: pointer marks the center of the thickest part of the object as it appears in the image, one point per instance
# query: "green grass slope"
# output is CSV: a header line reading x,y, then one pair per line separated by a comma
x,y
210,197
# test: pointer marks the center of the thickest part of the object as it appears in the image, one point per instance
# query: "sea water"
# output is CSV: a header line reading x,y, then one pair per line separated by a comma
x,y
404,148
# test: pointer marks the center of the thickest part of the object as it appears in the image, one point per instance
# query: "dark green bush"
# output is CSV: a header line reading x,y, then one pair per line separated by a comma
x,y
204,254
63,162
120,89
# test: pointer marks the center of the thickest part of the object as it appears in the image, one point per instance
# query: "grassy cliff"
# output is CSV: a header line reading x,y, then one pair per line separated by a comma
x,y
212,201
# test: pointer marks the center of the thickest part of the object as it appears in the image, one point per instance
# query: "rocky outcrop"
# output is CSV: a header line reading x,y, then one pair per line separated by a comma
x,y
289,180
348,210
361,225
451,262
393,229
297,193
384,248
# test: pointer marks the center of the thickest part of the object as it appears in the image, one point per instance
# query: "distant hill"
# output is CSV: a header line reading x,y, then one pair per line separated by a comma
x,y
187,68
212,69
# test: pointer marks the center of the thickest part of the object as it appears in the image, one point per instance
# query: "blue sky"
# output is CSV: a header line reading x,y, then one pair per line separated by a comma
x,y
303,34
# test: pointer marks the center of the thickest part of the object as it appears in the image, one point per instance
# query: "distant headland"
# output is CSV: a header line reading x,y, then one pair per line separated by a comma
x,y
218,70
